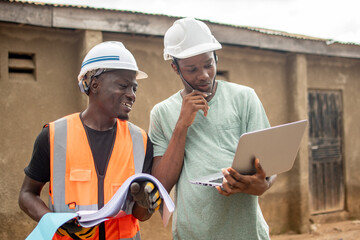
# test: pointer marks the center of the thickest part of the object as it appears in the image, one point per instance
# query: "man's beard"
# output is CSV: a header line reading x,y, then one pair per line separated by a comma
x,y
123,117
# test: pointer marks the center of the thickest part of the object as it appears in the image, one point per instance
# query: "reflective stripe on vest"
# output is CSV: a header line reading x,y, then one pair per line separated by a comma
x,y
138,147
136,237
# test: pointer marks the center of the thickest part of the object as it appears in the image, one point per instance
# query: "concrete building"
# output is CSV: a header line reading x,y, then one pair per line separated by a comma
x,y
296,77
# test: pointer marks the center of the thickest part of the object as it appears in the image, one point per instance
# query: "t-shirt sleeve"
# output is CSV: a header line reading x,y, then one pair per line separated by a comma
x,y
148,157
157,135
39,166
256,115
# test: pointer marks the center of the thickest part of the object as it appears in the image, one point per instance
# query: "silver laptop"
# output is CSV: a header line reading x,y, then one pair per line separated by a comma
x,y
276,148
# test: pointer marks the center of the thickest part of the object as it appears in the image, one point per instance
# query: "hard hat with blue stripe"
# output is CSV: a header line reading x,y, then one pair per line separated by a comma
x,y
109,55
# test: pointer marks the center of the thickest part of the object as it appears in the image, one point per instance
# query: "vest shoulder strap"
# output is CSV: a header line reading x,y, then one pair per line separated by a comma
x,y
139,146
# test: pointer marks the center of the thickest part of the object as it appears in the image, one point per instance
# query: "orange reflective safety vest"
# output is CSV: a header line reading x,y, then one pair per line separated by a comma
x,y
74,182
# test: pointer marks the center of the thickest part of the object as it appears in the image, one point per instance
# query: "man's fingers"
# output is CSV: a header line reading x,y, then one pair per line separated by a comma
x,y
222,191
234,181
134,187
205,110
235,175
155,196
198,93
149,186
155,201
70,227
156,204
198,98
231,176
192,103
146,195
200,103
259,170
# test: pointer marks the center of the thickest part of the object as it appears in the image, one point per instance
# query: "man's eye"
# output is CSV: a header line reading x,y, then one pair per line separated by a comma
x,y
191,70
134,90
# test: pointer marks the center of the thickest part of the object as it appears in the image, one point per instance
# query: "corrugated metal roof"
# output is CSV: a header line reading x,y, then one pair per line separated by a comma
x,y
285,34
87,7
256,29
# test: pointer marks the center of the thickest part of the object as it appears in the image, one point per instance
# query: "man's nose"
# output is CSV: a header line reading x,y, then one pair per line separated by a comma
x,y
203,75
130,93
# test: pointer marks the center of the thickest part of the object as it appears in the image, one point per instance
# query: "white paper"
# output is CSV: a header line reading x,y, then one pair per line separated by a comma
x,y
50,222
113,209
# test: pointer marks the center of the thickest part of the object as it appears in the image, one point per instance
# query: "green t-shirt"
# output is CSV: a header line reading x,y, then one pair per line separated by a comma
x,y
201,212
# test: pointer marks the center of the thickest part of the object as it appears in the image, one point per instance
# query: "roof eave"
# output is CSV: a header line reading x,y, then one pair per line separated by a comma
x,y
75,17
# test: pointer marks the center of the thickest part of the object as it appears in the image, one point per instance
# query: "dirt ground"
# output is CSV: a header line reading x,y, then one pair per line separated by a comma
x,y
345,230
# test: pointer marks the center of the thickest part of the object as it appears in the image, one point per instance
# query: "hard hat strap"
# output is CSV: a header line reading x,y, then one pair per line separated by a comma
x,y
90,75
181,76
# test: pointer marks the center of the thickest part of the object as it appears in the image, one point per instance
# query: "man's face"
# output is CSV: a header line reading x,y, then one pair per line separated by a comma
x,y
117,93
199,71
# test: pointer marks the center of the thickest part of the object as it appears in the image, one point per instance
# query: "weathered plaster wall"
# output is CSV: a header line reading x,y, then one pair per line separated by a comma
x,y
343,74
27,104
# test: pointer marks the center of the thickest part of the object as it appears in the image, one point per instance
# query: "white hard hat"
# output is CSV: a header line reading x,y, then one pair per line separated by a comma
x,y
188,37
110,55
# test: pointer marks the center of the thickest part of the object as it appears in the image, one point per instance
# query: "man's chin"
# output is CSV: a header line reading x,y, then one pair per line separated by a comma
x,y
204,90
123,117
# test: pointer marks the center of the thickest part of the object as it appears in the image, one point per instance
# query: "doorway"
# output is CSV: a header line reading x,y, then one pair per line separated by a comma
x,y
326,176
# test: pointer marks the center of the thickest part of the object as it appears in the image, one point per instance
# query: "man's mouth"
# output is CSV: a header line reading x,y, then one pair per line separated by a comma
x,y
127,105
202,87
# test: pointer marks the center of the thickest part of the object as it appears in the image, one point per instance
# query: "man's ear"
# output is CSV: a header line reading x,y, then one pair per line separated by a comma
x,y
94,86
174,67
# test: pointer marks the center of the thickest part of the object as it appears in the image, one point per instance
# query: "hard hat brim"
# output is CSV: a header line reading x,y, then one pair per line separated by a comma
x,y
194,51
141,75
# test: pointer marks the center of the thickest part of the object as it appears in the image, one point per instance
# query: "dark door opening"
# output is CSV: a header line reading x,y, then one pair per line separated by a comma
x,y
325,154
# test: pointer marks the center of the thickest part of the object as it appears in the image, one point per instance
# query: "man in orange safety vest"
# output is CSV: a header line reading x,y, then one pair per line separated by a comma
x,y
87,156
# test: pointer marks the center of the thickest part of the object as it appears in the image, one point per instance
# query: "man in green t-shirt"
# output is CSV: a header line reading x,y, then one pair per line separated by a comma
x,y
195,133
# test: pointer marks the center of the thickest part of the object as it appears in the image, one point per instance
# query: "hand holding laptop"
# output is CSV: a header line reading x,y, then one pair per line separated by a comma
x,y
276,148
234,182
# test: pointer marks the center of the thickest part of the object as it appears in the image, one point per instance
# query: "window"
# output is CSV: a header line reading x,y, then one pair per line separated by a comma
x,y
22,66
222,75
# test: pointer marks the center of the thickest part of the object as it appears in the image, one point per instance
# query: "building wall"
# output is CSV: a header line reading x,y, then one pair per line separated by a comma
x,y
28,104
327,73
280,79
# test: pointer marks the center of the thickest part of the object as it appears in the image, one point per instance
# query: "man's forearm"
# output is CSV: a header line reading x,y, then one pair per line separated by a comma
x,y
33,206
167,169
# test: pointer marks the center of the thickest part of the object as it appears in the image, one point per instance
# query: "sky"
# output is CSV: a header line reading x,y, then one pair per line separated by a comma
x,y
338,20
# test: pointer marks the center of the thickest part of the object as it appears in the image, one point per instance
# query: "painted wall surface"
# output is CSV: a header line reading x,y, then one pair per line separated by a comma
x,y
27,105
